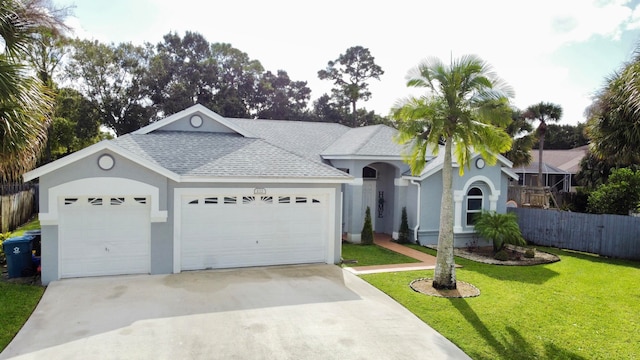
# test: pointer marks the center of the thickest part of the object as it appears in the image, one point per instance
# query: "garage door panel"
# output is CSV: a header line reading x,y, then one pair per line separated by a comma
x,y
251,232
111,238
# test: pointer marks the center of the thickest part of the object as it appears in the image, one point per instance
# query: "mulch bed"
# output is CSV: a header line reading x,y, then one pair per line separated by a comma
x,y
485,255
462,290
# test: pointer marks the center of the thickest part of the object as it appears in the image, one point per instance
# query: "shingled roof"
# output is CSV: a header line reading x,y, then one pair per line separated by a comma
x,y
375,140
222,155
304,138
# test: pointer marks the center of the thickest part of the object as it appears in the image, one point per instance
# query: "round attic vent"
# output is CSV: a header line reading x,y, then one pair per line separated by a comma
x,y
106,162
196,121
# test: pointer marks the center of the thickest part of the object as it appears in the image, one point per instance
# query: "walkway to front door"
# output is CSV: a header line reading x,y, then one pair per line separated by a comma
x,y
427,262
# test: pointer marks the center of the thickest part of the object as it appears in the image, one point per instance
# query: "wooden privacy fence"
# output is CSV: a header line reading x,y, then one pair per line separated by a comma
x,y
18,202
608,235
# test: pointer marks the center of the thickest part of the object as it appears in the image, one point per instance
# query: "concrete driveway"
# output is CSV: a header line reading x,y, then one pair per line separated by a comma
x,y
289,312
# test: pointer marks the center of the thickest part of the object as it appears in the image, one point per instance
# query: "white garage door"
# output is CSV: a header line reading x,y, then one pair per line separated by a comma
x,y
104,235
221,231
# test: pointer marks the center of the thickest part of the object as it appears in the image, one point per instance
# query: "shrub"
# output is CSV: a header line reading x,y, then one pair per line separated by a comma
x,y
619,195
502,229
530,253
3,237
502,255
366,237
403,233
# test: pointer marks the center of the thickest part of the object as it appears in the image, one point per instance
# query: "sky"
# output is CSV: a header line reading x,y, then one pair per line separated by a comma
x,y
558,51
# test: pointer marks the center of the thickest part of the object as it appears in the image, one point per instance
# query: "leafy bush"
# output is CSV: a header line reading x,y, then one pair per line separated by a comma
x,y
502,229
530,253
3,237
403,233
366,237
619,195
502,255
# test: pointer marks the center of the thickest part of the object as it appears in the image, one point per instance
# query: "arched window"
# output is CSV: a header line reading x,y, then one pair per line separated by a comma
x,y
474,204
369,173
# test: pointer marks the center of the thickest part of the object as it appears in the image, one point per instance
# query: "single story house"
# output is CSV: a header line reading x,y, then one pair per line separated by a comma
x,y
200,191
559,168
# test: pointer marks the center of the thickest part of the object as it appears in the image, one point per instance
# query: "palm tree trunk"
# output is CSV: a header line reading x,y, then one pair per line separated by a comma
x,y
540,148
445,273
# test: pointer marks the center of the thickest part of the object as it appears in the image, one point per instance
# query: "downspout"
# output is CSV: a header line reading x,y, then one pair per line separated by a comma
x,y
415,229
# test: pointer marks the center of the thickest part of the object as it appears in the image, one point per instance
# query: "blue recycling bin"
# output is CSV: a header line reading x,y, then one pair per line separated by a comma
x,y
17,250
37,241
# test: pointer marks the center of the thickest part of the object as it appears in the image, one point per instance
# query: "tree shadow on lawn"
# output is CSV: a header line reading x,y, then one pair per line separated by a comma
x,y
593,257
515,348
532,274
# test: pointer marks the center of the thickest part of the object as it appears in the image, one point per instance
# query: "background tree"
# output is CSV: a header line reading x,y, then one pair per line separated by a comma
x,y
237,81
110,76
350,73
25,103
613,124
281,98
326,110
619,195
542,112
520,131
75,123
181,73
563,137
466,107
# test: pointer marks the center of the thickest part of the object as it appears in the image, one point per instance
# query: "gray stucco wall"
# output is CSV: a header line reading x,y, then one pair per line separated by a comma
x,y
473,177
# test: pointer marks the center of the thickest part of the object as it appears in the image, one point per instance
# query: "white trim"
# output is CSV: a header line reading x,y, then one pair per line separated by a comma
x,y
265,179
196,109
102,186
400,182
492,187
380,158
458,197
177,213
93,149
511,173
357,182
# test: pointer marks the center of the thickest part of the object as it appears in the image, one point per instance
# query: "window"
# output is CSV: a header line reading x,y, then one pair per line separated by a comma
x,y
369,173
284,199
474,204
117,201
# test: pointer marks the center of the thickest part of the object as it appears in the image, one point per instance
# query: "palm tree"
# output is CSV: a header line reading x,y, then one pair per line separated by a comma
x,y
25,103
542,112
519,129
613,124
464,105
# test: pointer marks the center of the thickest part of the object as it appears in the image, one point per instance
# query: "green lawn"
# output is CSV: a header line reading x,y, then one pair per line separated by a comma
x,y
371,255
17,301
583,307
16,305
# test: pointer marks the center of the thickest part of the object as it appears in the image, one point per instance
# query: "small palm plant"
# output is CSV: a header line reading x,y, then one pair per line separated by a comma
x,y
502,229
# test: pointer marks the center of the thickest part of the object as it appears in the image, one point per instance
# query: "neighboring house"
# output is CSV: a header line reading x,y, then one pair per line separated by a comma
x,y
200,191
558,170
